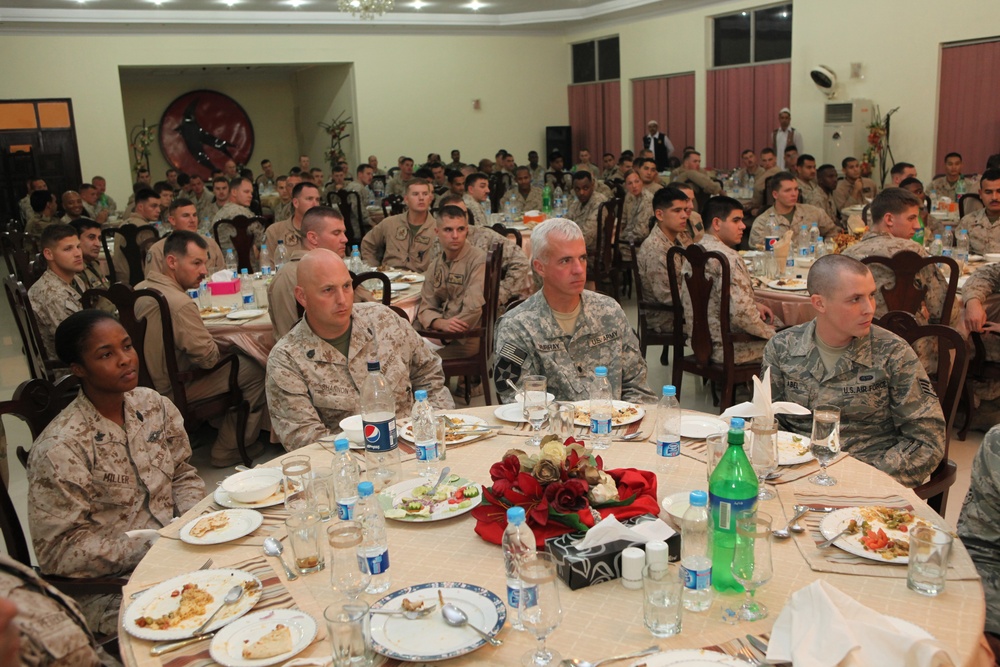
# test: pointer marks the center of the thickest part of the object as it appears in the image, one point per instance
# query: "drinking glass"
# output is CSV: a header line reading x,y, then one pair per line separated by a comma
x,y
663,599
930,548
562,419
349,626
348,572
319,491
752,561
442,439
305,540
764,452
825,442
535,405
540,612
715,447
295,469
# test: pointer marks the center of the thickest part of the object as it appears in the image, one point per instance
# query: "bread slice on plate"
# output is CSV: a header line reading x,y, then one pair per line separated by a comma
x,y
272,644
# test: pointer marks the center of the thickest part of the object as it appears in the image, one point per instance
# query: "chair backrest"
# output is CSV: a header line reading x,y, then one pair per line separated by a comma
x,y
508,231
376,275
498,188
393,205
16,256
607,232
392,171
39,364
699,287
349,203
616,189
242,240
905,295
491,293
969,203
37,402
953,360
109,233
137,238
124,299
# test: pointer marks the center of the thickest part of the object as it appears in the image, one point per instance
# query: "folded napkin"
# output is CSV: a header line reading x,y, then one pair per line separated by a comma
x,y
761,405
822,627
221,277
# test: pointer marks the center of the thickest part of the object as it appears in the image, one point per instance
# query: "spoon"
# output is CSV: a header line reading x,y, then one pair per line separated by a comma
x,y
457,618
783,533
272,547
576,662
443,476
234,594
409,615
630,436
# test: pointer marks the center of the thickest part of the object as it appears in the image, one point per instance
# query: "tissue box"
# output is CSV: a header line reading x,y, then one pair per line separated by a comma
x,y
226,287
604,563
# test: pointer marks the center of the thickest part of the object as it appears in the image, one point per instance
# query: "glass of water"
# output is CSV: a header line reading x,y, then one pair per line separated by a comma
x,y
295,471
825,442
535,405
930,549
764,452
540,610
752,564
662,600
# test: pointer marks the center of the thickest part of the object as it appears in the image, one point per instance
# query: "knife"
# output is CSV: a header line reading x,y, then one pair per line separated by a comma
x,y
160,649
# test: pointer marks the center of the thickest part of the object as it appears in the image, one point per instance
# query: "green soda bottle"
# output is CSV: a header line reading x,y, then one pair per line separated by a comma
x,y
732,491
547,199
919,236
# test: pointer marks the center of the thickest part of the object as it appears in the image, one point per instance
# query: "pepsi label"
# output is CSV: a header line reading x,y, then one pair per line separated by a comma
x,y
769,242
380,436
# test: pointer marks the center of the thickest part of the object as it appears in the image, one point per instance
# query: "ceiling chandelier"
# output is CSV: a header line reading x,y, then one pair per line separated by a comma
x,y
365,9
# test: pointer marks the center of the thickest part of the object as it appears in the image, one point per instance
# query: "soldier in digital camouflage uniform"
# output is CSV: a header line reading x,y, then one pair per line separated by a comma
x,y
57,293
146,212
745,314
854,189
403,241
240,196
690,172
785,190
694,229
584,207
983,226
92,479
946,185
890,416
530,201
979,523
563,332
637,211
670,209
316,371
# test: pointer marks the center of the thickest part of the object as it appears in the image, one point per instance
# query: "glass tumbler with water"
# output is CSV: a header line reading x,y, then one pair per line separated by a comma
x,y
535,405
825,441
295,471
348,568
764,452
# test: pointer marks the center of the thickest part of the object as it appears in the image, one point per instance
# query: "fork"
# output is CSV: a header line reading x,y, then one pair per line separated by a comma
x,y
823,545
208,564
746,653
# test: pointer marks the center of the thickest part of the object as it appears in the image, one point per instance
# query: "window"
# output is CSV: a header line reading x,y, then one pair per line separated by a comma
x,y
752,36
596,60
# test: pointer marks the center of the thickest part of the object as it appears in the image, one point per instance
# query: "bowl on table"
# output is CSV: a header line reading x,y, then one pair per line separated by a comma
x,y
992,256
519,397
353,429
251,486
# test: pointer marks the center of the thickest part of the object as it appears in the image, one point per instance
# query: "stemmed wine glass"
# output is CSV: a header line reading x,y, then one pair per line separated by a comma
x,y
825,442
538,606
535,405
764,452
752,561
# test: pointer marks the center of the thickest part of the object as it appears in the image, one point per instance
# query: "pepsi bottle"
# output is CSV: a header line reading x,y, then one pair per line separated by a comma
x,y
378,418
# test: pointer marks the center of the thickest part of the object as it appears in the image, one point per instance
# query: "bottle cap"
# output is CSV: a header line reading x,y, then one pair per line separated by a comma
x,y
420,394
263,246
669,390
737,422
341,445
365,489
698,498
515,515
243,272
601,372
374,366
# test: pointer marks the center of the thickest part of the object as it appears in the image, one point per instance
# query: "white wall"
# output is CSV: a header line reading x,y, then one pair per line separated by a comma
x,y
322,92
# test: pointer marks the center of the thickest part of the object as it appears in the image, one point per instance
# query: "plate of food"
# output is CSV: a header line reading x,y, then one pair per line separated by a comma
x,y
793,284
175,608
700,427
406,501
877,532
222,526
263,638
411,278
245,314
622,413
793,449
215,312
224,499
430,639
458,424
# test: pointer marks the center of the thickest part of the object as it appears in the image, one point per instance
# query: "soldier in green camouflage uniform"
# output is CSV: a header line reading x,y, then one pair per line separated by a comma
x,y
584,207
983,226
979,523
563,332
890,416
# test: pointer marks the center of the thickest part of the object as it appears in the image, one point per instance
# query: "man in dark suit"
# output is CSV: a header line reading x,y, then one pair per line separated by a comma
x,y
659,143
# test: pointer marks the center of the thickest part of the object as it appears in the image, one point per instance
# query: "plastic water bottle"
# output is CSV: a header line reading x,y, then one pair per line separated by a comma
x,y
375,541
600,409
773,230
947,242
486,208
937,247
246,290
793,252
805,242
751,182
820,247
696,561
204,295
830,245
668,429
346,477
814,240
732,491
206,226
962,248
378,418
266,265
356,266
280,255
518,541
424,425
231,264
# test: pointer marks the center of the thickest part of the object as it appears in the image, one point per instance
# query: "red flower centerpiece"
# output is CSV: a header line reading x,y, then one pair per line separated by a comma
x,y
564,488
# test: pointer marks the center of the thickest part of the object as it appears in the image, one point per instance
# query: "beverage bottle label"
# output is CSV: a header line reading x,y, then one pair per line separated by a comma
x,y
728,509
600,426
514,594
697,580
377,564
427,452
345,511
380,436
668,448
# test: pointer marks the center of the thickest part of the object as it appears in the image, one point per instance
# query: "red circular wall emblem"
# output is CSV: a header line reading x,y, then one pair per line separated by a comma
x,y
202,129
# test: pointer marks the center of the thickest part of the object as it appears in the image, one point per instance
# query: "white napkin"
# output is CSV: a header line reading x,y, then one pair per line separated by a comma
x,y
221,277
761,405
611,529
822,627
144,534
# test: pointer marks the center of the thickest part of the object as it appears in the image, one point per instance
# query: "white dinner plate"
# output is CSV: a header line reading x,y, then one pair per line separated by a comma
x,y
333,438
693,657
245,314
430,638
405,429
221,497
412,278
615,405
159,601
788,284
521,227
391,495
392,275
790,450
512,412
217,314
241,523
699,428
676,504
399,287
976,258
837,520
227,645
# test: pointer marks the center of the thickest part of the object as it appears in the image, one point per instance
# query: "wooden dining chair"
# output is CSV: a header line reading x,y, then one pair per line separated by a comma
x,y
647,335
500,229
949,381
244,237
40,365
904,294
348,202
17,257
132,241
364,277
393,205
969,203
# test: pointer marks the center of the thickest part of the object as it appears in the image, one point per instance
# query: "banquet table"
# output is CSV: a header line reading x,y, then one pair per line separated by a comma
x,y
254,336
599,620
